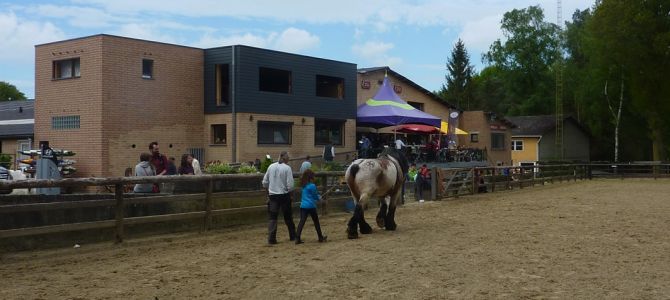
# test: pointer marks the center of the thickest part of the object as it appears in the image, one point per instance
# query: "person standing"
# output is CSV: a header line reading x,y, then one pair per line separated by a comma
x,y
186,168
279,181
328,152
365,146
144,168
306,165
310,195
399,144
171,168
195,164
158,160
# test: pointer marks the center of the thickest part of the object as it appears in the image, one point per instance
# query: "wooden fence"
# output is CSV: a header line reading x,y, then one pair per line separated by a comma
x,y
445,183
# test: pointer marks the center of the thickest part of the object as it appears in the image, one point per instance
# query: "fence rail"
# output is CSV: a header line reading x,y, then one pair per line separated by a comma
x,y
445,183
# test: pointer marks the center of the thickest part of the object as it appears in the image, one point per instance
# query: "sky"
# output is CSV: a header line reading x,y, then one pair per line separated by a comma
x,y
413,37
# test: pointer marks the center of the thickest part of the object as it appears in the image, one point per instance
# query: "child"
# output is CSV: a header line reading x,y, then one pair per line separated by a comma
x,y
310,196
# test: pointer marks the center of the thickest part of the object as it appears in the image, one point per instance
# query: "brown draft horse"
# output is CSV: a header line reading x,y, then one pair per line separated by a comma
x,y
381,178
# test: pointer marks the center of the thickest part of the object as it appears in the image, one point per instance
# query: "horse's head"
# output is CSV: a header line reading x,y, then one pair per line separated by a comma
x,y
398,156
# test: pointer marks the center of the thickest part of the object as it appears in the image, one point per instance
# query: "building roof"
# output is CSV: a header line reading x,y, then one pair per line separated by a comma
x,y
17,118
538,125
411,83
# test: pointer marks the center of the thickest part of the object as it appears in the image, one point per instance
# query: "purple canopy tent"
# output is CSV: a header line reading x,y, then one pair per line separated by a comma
x,y
387,109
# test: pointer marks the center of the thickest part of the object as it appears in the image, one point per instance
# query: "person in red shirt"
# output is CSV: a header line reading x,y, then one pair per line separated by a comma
x,y
158,160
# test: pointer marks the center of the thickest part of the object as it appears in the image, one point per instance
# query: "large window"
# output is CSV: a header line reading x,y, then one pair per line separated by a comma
x,y
218,134
497,141
222,77
331,87
328,131
64,69
147,68
65,122
517,145
417,105
274,80
274,133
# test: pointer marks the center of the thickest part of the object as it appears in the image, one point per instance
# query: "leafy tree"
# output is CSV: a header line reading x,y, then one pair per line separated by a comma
x,y
457,90
526,58
634,37
10,92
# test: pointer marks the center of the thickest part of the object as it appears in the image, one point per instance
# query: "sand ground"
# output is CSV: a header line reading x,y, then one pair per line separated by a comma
x,y
586,240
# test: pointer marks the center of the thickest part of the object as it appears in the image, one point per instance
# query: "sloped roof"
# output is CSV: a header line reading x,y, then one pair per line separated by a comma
x,y
538,125
17,118
411,83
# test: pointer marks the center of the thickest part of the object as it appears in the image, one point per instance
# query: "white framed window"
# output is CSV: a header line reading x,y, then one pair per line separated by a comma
x,y
517,145
64,122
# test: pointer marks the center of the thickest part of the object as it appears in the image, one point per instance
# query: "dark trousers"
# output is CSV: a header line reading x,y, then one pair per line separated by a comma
x,y
315,218
280,202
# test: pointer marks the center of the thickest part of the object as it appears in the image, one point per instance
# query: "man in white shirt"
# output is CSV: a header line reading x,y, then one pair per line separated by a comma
x,y
399,144
279,181
195,164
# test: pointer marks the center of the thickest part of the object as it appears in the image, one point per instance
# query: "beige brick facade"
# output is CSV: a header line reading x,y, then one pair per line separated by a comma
x,y
120,112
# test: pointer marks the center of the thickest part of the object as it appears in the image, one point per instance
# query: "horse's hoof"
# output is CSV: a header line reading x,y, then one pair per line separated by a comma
x,y
365,228
352,234
380,222
391,227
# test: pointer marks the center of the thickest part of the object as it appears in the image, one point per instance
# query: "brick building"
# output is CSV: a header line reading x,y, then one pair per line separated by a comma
x,y
489,132
106,97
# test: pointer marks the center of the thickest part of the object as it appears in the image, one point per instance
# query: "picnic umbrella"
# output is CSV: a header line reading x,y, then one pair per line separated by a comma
x,y
418,128
444,126
386,108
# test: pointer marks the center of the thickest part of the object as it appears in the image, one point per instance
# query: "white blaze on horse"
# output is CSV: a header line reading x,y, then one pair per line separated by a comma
x,y
380,178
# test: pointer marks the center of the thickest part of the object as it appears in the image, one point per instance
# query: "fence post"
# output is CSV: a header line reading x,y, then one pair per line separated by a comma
x,y
433,184
120,208
493,181
324,188
509,178
474,181
208,205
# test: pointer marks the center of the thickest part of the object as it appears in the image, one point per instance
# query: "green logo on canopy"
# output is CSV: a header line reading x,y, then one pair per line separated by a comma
x,y
373,102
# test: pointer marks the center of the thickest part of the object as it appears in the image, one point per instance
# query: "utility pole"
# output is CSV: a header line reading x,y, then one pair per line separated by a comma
x,y
559,83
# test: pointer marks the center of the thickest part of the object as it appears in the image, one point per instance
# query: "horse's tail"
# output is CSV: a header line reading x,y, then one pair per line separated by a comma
x,y
351,181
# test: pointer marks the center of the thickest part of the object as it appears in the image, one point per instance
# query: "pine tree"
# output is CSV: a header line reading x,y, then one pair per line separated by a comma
x,y
458,77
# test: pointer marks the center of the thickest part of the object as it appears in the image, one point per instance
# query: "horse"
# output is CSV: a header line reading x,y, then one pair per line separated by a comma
x,y
382,178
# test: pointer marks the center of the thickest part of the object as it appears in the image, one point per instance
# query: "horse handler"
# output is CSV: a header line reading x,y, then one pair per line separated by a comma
x,y
278,180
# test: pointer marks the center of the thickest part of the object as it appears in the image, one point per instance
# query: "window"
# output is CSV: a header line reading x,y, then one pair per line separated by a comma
x,y
474,137
222,78
147,68
331,87
328,131
497,141
274,80
417,105
517,145
64,69
219,134
274,133
65,122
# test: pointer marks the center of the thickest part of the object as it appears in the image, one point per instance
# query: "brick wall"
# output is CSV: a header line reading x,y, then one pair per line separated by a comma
x,y
77,96
477,122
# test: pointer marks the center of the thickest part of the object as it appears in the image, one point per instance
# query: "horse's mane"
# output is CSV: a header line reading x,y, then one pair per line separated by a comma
x,y
398,156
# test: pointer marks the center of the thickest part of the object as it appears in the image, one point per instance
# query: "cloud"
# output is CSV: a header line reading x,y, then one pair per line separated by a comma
x,y
478,35
290,40
76,16
20,36
375,53
145,32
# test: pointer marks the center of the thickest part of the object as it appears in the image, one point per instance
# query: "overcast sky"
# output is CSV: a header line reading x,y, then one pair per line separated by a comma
x,y
414,38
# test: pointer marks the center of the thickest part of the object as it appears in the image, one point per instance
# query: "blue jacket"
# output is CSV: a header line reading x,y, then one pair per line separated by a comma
x,y
309,196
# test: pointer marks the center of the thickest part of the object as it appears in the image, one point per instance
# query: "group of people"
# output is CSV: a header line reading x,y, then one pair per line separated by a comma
x,y
153,163
278,180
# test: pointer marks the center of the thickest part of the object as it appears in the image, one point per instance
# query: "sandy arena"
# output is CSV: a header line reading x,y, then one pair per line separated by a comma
x,y
585,240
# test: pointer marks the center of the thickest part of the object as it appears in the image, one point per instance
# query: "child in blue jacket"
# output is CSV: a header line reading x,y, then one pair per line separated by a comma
x,y
310,195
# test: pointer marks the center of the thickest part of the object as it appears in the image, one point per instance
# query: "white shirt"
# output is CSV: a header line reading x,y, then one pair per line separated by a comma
x,y
278,179
196,167
399,144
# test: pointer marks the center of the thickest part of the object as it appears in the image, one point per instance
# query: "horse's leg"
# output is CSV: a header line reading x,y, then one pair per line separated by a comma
x,y
352,226
365,227
381,216
390,217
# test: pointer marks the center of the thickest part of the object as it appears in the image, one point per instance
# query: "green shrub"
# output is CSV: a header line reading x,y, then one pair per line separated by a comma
x,y
265,164
5,160
219,168
246,169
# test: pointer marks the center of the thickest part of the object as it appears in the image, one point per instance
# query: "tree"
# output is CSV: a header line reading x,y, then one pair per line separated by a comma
x,y
10,92
635,36
457,89
526,59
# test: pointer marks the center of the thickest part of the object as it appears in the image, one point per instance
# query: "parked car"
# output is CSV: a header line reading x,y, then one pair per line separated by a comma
x,y
4,175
